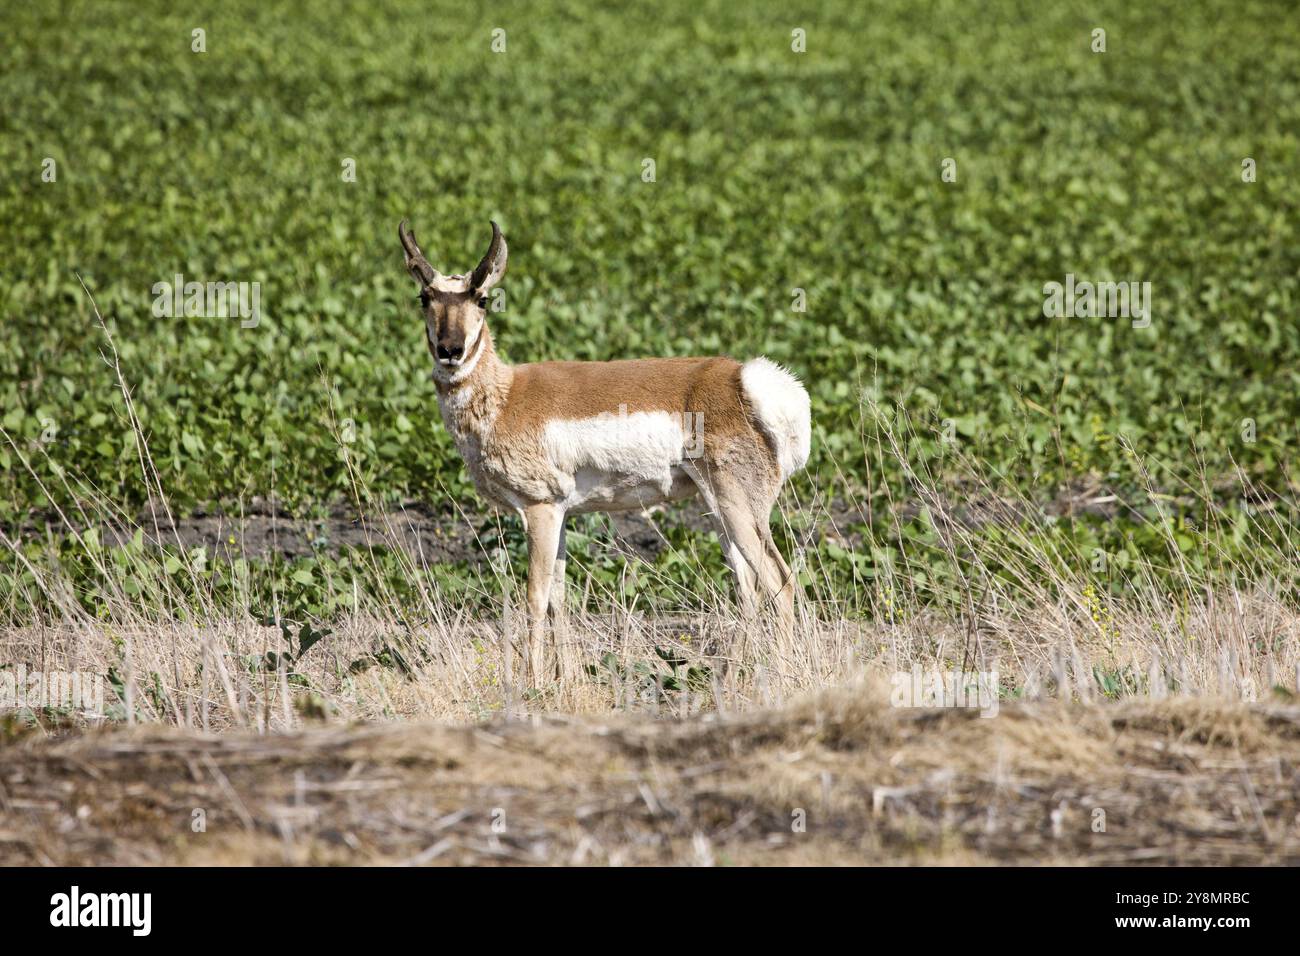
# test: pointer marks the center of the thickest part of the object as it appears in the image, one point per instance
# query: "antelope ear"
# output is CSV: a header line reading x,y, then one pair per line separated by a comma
x,y
490,271
416,264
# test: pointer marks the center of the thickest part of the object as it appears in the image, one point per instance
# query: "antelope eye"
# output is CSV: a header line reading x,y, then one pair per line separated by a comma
x,y
482,302
424,298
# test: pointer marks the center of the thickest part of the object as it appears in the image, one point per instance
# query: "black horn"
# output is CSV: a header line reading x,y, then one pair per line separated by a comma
x,y
416,264
489,272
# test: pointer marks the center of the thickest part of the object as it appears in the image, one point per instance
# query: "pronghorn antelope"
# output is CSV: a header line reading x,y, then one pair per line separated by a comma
x,y
551,439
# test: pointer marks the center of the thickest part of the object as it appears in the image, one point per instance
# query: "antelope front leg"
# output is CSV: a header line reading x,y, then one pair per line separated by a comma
x,y
555,607
544,524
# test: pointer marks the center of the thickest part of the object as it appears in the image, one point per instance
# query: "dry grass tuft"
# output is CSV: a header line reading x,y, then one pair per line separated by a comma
x,y
1175,782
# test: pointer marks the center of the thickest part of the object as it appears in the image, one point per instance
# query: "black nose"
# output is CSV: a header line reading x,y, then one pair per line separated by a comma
x,y
451,353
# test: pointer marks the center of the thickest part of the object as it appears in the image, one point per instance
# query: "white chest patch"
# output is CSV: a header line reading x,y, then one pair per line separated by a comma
x,y
454,404
453,408
624,460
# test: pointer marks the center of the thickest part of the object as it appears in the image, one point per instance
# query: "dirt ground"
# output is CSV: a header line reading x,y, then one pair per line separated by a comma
x,y
260,529
840,778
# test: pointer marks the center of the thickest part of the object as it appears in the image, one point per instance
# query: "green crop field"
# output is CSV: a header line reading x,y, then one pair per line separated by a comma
x,y
879,211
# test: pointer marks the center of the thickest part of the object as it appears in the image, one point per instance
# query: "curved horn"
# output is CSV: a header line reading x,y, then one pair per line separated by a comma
x,y
416,264
489,272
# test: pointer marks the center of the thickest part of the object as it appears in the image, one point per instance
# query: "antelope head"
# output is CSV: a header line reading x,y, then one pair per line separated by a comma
x,y
455,306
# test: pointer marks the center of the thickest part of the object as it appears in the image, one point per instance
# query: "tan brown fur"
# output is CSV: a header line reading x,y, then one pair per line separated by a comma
x,y
499,416
545,391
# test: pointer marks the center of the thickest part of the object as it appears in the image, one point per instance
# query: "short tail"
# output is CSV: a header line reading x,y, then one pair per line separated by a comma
x,y
781,405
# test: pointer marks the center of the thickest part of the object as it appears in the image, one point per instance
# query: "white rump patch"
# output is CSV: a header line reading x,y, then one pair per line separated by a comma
x,y
781,404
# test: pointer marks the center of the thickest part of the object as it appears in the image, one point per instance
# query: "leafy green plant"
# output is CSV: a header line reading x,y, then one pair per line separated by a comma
x,y
661,678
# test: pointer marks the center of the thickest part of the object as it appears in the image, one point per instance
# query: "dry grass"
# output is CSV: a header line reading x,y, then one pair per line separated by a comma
x,y
214,675
1181,781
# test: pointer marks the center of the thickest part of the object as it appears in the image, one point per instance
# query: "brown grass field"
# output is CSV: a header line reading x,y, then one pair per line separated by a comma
x,y
838,777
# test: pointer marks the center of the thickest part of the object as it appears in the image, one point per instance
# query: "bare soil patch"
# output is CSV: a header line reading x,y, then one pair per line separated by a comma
x,y
260,529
